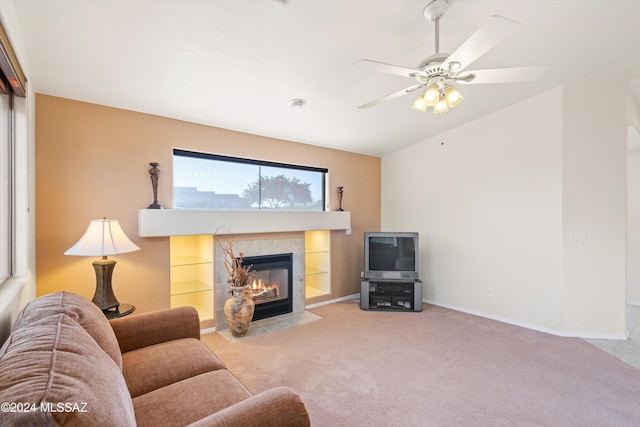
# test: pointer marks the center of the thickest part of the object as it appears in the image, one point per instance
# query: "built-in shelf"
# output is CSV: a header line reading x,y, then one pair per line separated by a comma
x,y
189,287
310,271
188,260
313,293
189,222
191,274
317,263
313,250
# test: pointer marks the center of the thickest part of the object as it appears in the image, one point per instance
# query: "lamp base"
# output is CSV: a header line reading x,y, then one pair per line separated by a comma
x,y
104,296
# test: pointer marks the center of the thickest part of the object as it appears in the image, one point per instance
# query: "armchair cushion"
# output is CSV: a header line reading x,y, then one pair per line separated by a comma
x,y
149,368
87,314
55,361
187,401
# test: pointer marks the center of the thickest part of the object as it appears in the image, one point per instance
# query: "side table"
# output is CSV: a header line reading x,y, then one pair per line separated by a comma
x,y
120,311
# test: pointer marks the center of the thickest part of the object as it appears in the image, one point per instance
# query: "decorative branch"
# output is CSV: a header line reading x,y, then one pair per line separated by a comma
x,y
239,274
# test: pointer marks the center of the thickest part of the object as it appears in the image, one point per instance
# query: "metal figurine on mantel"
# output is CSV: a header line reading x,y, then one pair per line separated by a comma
x,y
340,191
154,172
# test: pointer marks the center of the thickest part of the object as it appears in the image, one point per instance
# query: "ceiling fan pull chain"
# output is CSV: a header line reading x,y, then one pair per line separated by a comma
x,y
442,129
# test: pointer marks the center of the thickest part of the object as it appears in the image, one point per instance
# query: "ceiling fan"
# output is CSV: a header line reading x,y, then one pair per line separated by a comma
x,y
435,75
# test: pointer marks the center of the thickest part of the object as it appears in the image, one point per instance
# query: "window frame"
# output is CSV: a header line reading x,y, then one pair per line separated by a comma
x,y
11,182
14,84
256,162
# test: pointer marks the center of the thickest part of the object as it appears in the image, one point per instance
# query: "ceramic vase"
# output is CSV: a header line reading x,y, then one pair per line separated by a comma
x,y
238,310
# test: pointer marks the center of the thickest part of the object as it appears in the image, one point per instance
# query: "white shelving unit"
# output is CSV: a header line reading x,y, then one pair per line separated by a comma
x,y
191,278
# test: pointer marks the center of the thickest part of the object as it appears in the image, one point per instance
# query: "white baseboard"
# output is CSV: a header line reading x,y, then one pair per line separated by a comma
x,y
354,296
532,327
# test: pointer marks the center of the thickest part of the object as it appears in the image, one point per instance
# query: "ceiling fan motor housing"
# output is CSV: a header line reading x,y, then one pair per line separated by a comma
x,y
433,70
433,64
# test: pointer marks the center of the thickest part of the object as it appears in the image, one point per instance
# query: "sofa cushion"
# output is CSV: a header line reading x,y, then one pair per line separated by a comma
x,y
189,400
80,309
149,368
55,362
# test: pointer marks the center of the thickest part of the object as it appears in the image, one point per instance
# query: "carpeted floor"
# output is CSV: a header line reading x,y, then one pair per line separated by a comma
x,y
435,368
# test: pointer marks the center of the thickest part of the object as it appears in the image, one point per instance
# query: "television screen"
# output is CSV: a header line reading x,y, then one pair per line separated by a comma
x,y
391,255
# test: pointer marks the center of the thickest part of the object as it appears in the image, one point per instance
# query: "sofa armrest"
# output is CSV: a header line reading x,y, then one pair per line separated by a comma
x,y
142,330
276,407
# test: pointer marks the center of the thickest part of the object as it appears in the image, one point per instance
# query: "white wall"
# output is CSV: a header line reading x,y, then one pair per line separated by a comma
x,y
15,294
633,201
594,182
633,224
487,205
495,206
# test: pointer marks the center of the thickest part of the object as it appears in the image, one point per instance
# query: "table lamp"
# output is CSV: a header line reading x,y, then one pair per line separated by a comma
x,y
103,237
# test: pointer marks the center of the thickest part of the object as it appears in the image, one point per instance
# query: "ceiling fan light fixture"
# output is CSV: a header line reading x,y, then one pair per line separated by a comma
x,y
441,106
439,70
452,96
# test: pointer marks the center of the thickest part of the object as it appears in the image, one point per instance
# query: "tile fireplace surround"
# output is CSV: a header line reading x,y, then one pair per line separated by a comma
x,y
258,247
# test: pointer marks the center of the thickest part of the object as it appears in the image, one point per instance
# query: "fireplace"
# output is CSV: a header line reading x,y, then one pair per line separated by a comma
x,y
272,285
257,247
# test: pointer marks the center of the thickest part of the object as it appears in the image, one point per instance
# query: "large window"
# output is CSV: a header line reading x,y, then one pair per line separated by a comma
x,y
12,83
209,181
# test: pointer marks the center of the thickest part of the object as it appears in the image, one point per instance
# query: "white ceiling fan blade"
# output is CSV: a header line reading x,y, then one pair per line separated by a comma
x,y
388,68
391,96
492,32
506,75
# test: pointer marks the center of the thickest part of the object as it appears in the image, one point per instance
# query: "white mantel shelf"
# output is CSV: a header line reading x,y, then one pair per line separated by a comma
x,y
190,222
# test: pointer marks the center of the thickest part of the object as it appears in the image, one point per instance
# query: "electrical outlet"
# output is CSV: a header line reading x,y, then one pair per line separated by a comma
x,y
580,238
490,292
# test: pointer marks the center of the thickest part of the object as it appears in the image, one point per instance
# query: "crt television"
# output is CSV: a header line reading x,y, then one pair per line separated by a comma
x,y
391,255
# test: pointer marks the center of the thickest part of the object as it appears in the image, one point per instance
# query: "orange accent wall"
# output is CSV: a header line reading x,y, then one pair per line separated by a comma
x,y
92,161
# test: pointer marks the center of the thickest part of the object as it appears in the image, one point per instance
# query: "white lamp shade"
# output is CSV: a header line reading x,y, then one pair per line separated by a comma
x,y
103,237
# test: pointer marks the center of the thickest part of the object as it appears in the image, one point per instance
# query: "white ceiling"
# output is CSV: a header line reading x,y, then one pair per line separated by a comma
x,y
235,64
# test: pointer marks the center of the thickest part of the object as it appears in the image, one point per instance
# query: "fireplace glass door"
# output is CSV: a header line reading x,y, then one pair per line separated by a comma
x,y
272,285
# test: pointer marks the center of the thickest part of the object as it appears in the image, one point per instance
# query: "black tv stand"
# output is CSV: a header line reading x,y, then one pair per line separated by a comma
x,y
391,294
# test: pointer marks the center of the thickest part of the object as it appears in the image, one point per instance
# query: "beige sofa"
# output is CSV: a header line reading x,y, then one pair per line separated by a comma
x,y
66,364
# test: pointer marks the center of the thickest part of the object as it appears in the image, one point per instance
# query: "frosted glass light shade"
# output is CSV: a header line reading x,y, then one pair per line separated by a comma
x,y
453,96
420,104
103,237
441,106
432,95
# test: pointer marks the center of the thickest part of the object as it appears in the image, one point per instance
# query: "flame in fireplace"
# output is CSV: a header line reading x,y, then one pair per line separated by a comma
x,y
262,292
